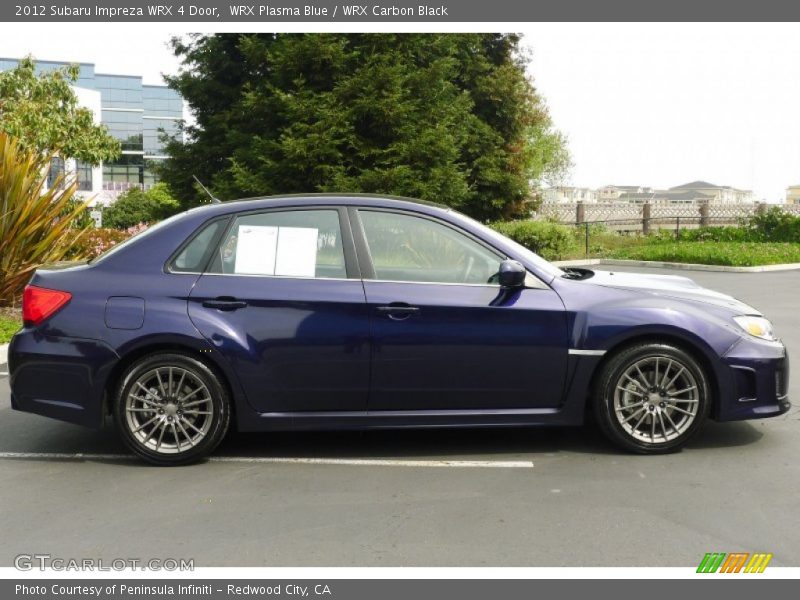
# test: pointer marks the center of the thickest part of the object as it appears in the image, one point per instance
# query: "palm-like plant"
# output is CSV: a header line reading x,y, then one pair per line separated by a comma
x,y
34,219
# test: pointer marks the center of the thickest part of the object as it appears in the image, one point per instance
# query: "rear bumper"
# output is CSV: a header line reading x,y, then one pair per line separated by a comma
x,y
58,377
758,374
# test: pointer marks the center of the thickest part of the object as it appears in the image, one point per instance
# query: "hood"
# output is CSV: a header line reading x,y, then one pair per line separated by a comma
x,y
671,286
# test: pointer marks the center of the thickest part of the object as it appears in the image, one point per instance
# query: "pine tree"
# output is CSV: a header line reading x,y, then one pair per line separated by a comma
x,y
449,118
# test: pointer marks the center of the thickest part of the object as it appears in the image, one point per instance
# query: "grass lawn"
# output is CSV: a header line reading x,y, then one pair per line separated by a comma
x,y
735,254
601,244
10,322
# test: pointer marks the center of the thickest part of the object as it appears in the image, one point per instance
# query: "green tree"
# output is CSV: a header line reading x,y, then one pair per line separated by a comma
x,y
42,112
136,206
450,118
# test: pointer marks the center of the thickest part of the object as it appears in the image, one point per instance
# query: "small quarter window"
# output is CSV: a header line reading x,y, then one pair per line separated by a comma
x,y
195,255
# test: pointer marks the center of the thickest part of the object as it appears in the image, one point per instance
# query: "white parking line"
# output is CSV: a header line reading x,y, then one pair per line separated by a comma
x,y
375,462
358,462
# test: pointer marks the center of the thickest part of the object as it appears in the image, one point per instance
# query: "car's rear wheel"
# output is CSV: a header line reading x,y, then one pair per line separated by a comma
x,y
651,398
171,409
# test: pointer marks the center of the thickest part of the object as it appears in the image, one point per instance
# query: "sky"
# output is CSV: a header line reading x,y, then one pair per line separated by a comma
x,y
663,104
655,105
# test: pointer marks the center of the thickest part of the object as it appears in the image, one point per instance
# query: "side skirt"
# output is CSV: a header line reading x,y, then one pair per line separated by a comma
x,y
327,420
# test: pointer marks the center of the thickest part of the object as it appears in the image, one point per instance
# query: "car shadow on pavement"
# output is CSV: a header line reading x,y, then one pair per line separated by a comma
x,y
461,443
725,435
511,443
466,443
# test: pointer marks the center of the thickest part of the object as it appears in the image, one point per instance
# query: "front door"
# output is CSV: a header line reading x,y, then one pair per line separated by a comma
x,y
444,334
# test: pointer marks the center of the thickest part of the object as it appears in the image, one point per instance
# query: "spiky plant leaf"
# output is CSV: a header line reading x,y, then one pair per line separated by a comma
x,y
35,221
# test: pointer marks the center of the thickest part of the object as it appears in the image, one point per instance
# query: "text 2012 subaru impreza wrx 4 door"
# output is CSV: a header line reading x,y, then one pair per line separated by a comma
x,y
333,312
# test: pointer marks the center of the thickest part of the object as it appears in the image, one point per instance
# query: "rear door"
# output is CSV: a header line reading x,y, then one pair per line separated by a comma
x,y
444,334
283,302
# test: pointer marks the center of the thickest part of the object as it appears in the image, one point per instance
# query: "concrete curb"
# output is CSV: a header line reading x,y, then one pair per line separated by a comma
x,y
672,265
3,354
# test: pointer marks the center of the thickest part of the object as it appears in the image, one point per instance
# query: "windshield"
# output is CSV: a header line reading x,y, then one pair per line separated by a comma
x,y
519,249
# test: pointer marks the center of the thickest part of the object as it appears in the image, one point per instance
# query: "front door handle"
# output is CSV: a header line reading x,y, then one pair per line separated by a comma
x,y
397,312
224,303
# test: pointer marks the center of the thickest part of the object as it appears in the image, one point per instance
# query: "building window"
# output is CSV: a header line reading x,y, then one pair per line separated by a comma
x,y
56,171
83,172
124,173
126,127
153,131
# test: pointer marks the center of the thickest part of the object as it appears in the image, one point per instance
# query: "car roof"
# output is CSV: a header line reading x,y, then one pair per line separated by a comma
x,y
344,199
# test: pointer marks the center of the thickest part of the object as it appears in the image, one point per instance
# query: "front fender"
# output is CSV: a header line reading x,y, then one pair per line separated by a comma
x,y
613,318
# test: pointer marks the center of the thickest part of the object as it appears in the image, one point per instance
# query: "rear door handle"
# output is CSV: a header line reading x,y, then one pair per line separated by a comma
x,y
398,312
224,303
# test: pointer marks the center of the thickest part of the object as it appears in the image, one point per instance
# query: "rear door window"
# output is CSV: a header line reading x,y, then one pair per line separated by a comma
x,y
292,243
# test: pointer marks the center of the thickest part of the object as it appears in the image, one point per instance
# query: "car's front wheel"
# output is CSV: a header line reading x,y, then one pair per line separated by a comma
x,y
171,409
651,398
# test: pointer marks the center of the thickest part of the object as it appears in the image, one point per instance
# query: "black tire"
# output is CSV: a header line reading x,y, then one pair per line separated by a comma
x,y
645,424
169,443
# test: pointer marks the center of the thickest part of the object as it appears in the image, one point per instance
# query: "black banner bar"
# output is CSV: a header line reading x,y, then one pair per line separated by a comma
x,y
731,588
412,11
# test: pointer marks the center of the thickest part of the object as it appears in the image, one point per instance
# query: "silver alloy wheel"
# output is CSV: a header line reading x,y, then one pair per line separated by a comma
x,y
656,399
169,410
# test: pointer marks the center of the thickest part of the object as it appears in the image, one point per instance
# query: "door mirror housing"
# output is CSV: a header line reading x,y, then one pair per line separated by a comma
x,y
512,274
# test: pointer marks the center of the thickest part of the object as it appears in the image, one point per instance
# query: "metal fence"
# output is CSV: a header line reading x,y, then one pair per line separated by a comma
x,y
646,218
640,217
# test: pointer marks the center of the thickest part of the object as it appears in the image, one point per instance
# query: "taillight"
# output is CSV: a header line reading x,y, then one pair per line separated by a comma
x,y
39,304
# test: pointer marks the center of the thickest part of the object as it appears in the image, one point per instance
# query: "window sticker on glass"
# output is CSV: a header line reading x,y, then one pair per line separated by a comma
x,y
297,251
270,250
256,247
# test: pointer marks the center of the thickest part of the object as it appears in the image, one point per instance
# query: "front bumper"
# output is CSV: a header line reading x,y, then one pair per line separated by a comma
x,y
58,377
757,373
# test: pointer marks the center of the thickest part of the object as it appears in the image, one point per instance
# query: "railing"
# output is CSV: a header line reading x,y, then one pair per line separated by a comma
x,y
722,214
124,186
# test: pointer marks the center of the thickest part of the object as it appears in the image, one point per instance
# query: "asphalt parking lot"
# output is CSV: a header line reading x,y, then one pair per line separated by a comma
x,y
582,503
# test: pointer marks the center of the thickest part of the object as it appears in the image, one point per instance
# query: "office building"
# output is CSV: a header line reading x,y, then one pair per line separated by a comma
x,y
135,113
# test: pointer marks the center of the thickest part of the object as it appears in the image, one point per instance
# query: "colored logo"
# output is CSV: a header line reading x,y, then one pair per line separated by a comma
x,y
735,562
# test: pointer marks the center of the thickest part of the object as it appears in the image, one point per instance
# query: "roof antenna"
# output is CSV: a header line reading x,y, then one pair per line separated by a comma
x,y
214,199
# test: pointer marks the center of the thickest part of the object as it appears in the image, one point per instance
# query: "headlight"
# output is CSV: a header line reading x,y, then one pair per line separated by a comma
x,y
756,326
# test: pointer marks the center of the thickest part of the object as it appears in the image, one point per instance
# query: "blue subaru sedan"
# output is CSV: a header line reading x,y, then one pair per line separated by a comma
x,y
353,312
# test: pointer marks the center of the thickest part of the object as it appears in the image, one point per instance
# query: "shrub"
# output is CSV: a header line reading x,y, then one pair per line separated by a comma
x,y
550,240
715,234
35,222
774,226
96,241
83,219
771,226
136,206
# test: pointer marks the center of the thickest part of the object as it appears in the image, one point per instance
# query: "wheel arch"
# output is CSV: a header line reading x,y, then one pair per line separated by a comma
x,y
690,344
187,347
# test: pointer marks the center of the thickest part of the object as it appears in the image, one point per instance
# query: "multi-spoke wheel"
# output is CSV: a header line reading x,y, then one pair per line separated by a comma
x,y
171,409
651,398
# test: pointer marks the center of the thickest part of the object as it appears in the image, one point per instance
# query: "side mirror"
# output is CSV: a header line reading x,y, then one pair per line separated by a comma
x,y
512,274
